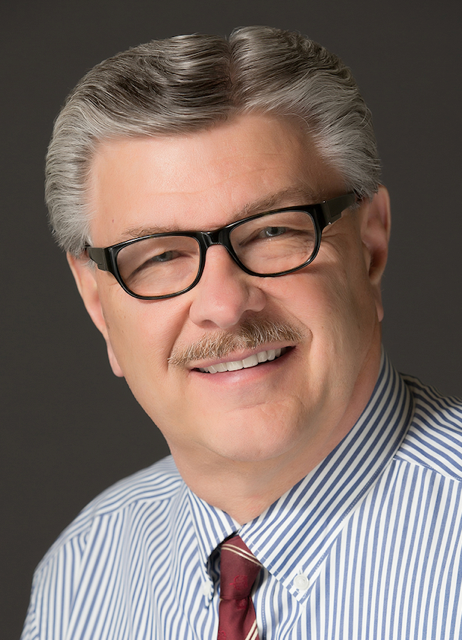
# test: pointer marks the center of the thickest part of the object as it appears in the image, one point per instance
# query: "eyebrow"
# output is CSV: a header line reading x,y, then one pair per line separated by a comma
x,y
280,199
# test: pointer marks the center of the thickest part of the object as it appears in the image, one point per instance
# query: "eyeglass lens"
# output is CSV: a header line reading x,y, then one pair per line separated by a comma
x,y
268,245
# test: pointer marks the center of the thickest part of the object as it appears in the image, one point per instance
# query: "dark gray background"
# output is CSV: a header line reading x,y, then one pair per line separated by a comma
x,y
70,427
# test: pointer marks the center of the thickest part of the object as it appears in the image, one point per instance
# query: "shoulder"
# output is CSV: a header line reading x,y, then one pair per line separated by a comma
x,y
158,483
150,489
100,542
434,438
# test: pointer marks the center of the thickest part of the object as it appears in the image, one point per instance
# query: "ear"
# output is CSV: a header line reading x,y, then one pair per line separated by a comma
x,y
85,278
375,235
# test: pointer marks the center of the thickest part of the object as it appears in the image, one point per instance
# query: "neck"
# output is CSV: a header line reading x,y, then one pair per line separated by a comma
x,y
254,486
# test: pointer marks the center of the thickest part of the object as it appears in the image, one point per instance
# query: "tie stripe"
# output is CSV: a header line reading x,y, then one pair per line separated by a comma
x,y
240,552
253,633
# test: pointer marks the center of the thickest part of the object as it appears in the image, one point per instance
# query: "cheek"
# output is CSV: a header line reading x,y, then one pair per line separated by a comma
x,y
336,304
141,339
141,334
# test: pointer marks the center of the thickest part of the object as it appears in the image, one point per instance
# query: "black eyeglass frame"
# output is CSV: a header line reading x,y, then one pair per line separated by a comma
x,y
323,214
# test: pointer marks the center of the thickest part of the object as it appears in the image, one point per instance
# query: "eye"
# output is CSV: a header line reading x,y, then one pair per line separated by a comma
x,y
272,232
155,264
164,257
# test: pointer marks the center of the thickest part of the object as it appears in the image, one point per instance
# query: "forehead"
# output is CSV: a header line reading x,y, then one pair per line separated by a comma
x,y
205,180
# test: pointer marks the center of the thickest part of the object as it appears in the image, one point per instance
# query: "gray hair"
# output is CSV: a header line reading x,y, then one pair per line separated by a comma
x,y
190,83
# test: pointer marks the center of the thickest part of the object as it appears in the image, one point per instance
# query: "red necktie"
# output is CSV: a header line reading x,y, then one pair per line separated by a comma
x,y
238,571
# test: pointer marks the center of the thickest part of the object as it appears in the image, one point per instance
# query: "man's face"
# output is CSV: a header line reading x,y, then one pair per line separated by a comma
x,y
312,393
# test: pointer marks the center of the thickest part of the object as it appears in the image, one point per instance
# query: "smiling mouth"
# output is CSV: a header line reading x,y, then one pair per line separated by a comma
x,y
247,363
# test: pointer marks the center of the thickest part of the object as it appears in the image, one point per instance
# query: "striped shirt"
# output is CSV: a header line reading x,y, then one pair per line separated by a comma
x,y
368,546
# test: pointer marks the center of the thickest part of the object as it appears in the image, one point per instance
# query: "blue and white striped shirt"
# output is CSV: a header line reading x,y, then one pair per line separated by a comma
x,y
368,546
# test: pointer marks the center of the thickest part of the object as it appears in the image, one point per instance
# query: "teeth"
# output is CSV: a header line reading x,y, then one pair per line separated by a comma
x,y
251,361
235,366
262,356
247,363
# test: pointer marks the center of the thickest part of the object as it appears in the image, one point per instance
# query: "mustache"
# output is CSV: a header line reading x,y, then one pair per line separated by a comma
x,y
250,335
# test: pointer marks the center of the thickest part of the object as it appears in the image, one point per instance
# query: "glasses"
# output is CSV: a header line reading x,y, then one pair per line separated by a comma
x,y
267,245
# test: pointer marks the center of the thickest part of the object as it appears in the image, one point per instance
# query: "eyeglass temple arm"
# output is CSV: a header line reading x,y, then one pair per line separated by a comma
x,y
98,256
333,209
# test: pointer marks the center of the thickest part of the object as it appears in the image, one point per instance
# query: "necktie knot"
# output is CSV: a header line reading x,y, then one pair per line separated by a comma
x,y
238,571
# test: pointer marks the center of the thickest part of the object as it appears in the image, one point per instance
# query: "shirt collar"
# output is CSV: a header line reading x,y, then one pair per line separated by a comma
x,y
211,527
294,534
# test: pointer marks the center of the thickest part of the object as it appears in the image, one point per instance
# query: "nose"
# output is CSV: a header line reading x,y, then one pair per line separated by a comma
x,y
225,293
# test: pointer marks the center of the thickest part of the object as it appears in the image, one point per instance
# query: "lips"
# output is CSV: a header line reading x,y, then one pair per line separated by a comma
x,y
246,363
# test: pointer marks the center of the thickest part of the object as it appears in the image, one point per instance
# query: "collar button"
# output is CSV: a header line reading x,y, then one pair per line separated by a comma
x,y
301,582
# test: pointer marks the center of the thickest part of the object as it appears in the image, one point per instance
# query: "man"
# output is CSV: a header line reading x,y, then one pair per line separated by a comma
x,y
220,204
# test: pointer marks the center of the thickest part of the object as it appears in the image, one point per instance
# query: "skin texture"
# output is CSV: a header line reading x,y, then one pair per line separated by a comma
x,y
260,429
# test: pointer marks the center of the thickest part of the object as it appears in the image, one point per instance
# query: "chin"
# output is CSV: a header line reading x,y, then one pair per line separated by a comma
x,y
256,440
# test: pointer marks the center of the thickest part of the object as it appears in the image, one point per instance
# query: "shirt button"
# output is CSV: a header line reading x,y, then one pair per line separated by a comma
x,y
206,589
301,582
